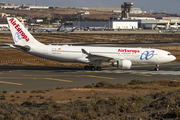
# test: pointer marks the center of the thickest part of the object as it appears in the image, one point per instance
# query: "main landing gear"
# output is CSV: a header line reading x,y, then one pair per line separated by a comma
x,y
92,68
156,68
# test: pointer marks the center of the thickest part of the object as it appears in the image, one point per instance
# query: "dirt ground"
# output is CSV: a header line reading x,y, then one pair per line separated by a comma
x,y
64,95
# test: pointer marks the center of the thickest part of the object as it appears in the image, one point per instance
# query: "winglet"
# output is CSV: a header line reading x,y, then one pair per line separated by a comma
x,y
85,52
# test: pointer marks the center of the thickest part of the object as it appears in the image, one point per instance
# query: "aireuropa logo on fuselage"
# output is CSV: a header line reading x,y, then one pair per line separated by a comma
x,y
19,31
147,55
128,51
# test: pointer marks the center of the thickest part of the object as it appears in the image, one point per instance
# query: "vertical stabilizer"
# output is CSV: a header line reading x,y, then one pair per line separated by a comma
x,y
59,28
20,34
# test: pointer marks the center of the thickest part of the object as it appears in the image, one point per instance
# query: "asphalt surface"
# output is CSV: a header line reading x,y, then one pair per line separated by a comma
x,y
14,78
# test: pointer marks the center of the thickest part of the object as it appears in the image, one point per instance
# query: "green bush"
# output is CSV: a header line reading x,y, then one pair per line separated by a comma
x,y
135,82
157,95
37,91
176,112
2,97
104,84
41,97
58,88
4,91
18,91
88,97
88,86
25,91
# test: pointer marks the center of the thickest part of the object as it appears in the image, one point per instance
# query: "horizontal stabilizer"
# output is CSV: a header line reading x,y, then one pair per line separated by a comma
x,y
19,47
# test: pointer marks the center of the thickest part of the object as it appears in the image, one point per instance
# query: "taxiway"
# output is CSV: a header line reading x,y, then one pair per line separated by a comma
x,y
14,78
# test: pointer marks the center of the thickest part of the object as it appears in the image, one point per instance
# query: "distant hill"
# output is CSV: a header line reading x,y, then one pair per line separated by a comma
x,y
62,13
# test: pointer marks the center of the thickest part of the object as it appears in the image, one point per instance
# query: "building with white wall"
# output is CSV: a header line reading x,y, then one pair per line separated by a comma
x,y
124,24
34,7
9,7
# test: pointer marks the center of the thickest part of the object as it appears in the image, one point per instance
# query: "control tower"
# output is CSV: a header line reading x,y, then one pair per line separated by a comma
x,y
126,8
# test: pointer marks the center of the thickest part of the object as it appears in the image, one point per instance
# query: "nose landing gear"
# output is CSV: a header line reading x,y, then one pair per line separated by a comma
x,y
156,68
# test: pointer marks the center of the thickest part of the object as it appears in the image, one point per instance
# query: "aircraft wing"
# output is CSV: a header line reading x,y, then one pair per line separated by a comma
x,y
96,57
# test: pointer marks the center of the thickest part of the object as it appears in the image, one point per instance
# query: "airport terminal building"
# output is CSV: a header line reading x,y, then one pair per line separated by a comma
x,y
132,23
118,23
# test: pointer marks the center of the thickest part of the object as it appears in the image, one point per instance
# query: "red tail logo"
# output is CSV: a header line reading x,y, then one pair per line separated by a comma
x,y
17,27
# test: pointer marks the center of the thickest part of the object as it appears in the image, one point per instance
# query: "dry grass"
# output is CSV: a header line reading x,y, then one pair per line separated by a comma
x,y
137,99
64,95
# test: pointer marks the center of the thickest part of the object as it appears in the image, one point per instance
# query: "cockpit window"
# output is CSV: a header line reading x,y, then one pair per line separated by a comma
x,y
169,54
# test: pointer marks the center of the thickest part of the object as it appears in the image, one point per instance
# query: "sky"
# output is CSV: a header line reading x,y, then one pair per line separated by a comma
x,y
170,6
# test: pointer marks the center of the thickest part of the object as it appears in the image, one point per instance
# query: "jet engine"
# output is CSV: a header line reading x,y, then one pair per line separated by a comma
x,y
122,64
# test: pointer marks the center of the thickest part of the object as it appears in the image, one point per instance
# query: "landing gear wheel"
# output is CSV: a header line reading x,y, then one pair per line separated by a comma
x,y
98,68
92,68
156,68
86,67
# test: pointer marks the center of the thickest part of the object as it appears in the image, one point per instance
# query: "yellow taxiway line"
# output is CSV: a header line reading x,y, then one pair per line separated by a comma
x,y
78,76
144,75
99,77
41,77
58,80
10,83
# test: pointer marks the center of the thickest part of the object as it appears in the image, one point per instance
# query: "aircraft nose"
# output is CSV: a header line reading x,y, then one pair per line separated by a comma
x,y
173,58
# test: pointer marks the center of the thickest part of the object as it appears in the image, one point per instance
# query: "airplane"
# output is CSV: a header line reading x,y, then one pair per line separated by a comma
x,y
69,29
33,25
49,29
161,26
175,26
4,25
95,57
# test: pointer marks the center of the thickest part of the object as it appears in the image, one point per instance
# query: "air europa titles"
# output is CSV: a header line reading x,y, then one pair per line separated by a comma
x,y
128,51
17,27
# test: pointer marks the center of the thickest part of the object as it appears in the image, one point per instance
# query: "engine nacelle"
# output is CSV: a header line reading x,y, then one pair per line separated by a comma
x,y
122,64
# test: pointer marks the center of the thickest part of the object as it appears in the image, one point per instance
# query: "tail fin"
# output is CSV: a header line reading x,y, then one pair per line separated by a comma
x,y
20,34
73,29
60,27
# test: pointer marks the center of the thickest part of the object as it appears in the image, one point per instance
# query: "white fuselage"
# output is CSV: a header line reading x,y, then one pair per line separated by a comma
x,y
74,54
46,29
